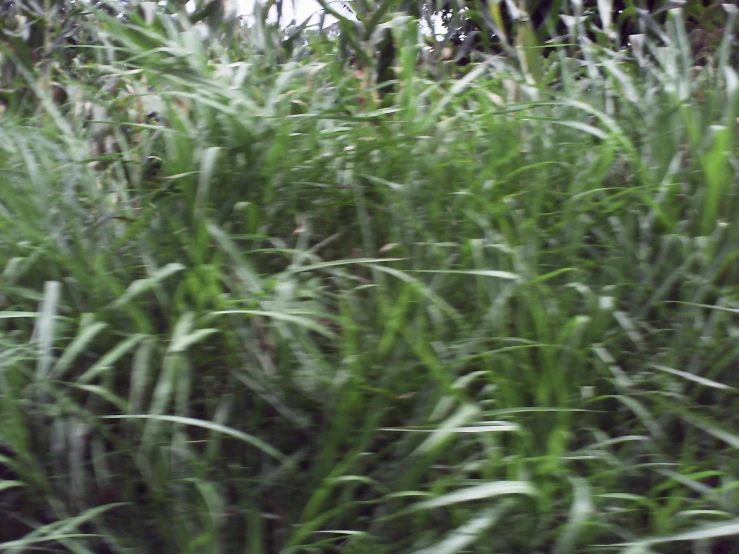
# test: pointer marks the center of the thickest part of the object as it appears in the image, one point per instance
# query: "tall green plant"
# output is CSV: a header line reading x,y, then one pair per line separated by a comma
x,y
276,313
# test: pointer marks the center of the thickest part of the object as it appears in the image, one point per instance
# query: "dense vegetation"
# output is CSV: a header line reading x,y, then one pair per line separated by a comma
x,y
270,288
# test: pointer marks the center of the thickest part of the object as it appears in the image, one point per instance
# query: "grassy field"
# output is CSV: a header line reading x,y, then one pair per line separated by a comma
x,y
251,304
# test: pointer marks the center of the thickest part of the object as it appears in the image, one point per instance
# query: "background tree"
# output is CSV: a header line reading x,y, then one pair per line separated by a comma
x,y
496,25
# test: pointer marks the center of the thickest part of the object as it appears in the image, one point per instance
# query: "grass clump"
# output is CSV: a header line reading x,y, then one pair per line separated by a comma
x,y
253,301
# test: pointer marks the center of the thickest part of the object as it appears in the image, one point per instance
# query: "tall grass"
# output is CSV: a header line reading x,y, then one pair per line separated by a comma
x,y
250,304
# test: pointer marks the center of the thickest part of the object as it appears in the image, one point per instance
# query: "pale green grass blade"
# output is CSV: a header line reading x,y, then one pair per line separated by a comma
x,y
45,328
253,441
467,534
728,529
478,492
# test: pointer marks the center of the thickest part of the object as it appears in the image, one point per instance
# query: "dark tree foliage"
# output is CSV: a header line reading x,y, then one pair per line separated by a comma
x,y
493,26
473,27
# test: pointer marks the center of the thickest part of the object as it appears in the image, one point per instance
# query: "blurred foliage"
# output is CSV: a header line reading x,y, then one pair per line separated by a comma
x,y
485,25
273,286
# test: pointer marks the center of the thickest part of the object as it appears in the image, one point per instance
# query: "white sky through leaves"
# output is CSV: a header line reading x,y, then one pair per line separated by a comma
x,y
300,10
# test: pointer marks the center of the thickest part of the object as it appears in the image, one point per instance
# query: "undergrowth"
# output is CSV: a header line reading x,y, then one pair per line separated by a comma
x,y
251,303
